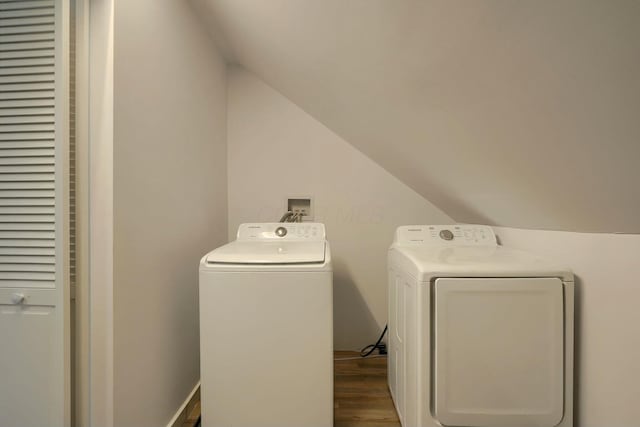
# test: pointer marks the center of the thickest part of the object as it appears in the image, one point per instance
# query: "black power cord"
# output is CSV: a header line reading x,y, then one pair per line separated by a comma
x,y
382,347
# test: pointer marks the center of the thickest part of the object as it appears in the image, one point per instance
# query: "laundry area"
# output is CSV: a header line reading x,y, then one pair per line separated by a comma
x,y
319,213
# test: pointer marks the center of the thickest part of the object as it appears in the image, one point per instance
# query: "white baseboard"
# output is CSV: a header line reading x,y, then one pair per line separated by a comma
x,y
183,407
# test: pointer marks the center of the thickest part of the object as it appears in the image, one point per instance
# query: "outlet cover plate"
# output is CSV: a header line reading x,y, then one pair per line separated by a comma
x,y
302,204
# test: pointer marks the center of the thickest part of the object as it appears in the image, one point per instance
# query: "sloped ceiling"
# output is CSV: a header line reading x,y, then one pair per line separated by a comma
x,y
512,113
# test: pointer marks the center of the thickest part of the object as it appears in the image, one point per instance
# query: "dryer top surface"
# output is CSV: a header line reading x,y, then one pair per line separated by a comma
x,y
472,252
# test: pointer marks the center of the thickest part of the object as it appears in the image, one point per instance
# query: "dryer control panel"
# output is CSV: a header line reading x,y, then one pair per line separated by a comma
x,y
446,235
296,231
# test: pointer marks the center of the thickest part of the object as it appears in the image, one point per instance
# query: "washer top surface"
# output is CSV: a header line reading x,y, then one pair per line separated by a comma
x,y
242,252
273,244
465,251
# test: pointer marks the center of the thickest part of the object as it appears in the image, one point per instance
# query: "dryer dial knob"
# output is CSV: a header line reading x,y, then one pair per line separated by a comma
x,y
281,231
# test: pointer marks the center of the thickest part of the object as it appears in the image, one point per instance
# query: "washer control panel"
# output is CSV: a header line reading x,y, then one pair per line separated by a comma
x,y
304,231
446,235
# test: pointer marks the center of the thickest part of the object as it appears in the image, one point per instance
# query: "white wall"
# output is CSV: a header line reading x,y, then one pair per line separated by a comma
x,y
276,150
513,113
607,269
98,410
169,201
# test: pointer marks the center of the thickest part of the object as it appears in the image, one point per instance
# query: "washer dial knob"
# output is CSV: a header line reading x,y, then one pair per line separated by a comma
x,y
281,231
446,235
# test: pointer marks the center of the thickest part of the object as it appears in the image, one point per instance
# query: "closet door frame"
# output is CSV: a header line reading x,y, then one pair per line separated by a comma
x,y
62,190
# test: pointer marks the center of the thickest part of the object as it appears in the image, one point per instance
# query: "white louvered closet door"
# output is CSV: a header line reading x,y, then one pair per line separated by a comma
x,y
34,219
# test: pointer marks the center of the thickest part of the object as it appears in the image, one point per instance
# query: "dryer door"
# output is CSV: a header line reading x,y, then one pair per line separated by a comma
x,y
498,352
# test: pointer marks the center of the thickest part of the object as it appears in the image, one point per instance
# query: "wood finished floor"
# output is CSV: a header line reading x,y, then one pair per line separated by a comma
x,y
361,397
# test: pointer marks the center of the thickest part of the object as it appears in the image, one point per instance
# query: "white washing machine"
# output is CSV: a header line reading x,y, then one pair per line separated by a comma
x,y
266,328
480,335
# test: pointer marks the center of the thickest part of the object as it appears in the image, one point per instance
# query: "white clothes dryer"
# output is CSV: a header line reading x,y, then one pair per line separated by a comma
x,y
266,328
480,335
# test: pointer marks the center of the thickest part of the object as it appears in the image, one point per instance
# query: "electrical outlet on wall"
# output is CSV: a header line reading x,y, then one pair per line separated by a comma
x,y
301,205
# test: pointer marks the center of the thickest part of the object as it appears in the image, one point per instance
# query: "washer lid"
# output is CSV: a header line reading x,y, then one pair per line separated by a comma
x,y
269,252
